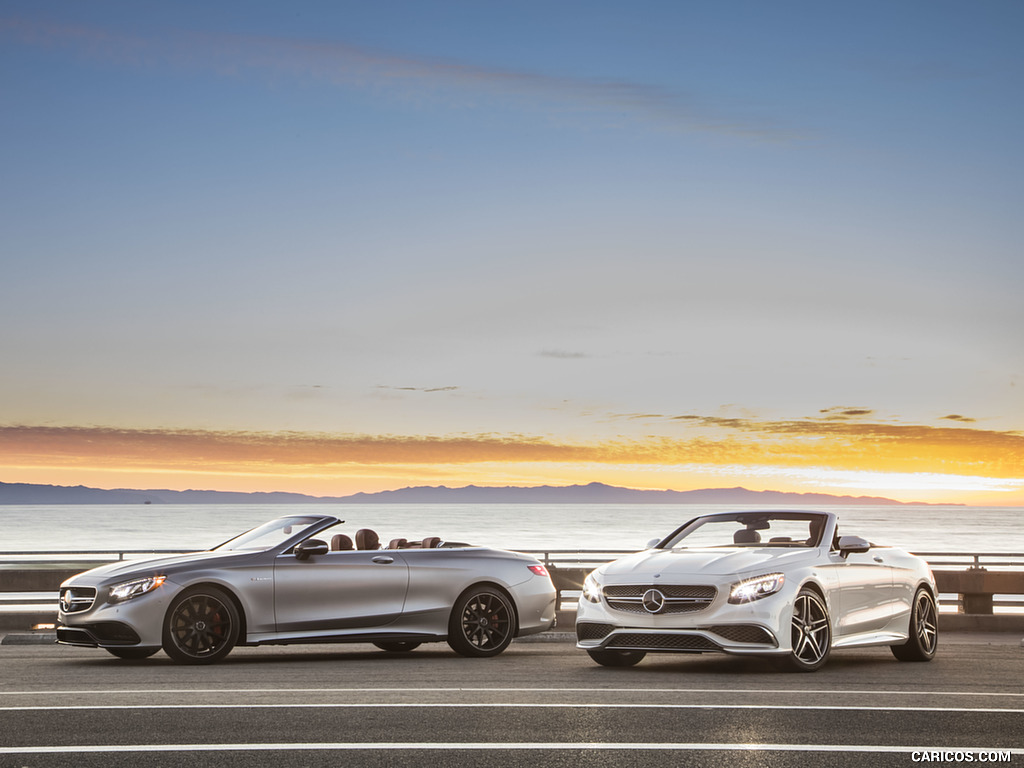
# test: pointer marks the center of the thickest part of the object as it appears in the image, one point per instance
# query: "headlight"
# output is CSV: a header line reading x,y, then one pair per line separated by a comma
x,y
129,589
591,589
755,589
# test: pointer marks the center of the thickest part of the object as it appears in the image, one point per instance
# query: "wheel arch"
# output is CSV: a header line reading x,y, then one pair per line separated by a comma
x,y
227,589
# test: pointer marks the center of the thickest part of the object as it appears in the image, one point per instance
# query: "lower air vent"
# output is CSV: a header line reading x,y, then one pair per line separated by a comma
x,y
588,630
744,633
652,641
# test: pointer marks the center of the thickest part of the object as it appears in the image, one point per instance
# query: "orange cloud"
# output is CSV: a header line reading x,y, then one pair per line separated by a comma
x,y
832,444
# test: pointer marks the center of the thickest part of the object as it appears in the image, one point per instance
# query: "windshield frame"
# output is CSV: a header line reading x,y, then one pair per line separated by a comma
x,y
292,529
753,517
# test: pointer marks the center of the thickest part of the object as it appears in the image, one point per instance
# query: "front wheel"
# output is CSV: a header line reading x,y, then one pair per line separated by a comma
x,y
397,646
482,622
201,626
615,658
924,630
811,632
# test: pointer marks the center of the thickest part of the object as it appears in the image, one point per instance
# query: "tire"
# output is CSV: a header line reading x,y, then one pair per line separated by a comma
x,y
398,646
483,622
201,626
811,632
132,653
616,658
924,630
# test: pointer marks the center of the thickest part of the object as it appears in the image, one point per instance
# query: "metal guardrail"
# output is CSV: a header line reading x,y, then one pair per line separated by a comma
x,y
568,567
547,556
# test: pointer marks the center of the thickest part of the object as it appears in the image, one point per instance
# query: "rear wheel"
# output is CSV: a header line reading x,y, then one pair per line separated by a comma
x,y
615,658
924,630
397,646
132,653
482,622
201,626
811,632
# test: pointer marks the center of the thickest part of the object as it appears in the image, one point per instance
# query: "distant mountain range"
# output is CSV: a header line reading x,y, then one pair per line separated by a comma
x,y
593,493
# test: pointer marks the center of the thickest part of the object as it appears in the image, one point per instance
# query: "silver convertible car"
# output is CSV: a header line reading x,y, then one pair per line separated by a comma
x,y
782,584
294,580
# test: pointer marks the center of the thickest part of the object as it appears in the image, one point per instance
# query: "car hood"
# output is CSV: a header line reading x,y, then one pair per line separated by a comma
x,y
717,561
165,564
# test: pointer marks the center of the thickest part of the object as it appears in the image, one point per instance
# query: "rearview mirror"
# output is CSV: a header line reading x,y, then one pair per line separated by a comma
x,y
848,544
310,547
652,543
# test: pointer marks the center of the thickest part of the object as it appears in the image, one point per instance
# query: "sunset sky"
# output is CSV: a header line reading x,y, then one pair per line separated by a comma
x,y
331,247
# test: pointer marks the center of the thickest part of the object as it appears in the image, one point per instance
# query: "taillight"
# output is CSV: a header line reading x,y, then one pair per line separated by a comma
x,y
540,570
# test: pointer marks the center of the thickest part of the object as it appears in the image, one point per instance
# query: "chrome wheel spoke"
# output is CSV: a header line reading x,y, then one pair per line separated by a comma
x,y
811,636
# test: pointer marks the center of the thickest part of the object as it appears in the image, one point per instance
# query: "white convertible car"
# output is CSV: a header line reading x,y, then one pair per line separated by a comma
x,y
779,583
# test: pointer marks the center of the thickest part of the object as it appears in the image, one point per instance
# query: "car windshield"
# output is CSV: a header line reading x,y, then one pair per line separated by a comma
x,y
269,534
748,529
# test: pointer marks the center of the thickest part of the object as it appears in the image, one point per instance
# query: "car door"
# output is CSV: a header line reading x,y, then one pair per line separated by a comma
x,y
865,592
339,592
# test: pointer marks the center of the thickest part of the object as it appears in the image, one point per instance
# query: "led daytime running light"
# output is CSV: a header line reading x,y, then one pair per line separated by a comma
x,y
754,589
129,589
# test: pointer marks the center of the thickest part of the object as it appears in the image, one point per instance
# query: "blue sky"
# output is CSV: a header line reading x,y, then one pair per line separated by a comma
x,y
636,231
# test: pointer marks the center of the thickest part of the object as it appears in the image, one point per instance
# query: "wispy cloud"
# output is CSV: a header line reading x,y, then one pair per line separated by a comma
x,y
352,66
563,354
419,389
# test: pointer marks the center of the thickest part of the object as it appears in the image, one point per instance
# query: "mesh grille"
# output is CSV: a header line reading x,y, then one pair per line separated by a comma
x,y
587,630
702,591
744,633
666,642
636,607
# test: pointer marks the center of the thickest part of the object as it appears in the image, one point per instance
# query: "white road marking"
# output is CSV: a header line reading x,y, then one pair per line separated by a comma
x,y
490,746
505,705
645,691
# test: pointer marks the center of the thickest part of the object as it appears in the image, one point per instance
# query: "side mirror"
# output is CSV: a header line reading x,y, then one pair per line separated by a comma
x,y
310,547
652,543
848,544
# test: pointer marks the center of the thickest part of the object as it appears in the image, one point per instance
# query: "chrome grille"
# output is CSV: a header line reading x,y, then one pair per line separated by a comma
x,y
679,598
77,599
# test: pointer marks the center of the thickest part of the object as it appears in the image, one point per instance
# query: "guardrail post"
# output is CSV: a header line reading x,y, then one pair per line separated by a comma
x,y
976,603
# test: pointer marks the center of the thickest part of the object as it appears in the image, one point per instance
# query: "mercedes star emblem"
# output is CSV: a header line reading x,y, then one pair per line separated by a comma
x,y
653,601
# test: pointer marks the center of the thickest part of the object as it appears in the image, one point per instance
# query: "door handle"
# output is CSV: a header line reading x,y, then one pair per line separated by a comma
x,y
878,559
383,559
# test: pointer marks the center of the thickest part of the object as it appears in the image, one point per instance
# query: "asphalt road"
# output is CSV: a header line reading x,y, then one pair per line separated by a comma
x,y
539,704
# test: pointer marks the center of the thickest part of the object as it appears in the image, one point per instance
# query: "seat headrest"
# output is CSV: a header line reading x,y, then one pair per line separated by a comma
x,y
746,536
367,539
340,542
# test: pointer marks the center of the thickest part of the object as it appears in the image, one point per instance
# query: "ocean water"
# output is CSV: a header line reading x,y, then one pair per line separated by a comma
x,y
543,527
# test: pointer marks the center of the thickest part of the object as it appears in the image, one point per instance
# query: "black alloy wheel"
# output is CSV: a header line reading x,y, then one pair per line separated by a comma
x,y
482,623
201,626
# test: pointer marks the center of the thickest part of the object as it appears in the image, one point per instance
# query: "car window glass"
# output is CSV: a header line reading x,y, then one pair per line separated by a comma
x,y
788,531
270,534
